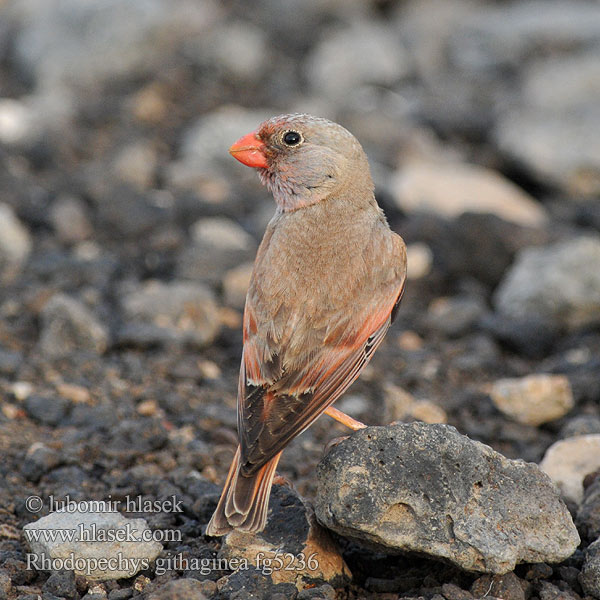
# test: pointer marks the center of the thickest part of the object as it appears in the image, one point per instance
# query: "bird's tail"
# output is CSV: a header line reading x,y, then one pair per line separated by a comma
x,y
245,499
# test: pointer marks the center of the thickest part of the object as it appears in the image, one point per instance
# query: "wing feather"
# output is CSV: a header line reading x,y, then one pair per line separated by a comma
x,y
274,410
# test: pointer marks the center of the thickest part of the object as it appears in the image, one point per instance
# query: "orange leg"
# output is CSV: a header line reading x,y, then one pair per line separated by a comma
x,y
344,419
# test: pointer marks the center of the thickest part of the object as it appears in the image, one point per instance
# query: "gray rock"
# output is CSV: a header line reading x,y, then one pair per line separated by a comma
x,y
247,584
588,515
91,546
590,572
563,83
6,587
15,243
239,48
62,584
10,361
503,36
69,43
176,312
362,54
188,588
49,410
39,459
69,326
560,148
580,425
428,489
560,283
69,219
455,316
204,163
219,245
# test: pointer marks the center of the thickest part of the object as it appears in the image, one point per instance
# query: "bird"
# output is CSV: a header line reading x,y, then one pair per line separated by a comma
x,y
326,284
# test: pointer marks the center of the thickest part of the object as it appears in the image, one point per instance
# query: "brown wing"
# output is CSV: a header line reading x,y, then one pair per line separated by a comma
x,y
275,403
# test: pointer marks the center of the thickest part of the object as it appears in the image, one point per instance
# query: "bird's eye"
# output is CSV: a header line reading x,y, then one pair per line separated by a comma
x,y
291,138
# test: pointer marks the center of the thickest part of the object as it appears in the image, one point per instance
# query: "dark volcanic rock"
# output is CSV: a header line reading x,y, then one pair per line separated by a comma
x,y
68,326
428,489
38,461
48,410
588,515
590,572
506,586
293,545
62,584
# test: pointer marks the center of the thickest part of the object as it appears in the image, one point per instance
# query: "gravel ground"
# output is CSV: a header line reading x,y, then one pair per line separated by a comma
x,y
126,235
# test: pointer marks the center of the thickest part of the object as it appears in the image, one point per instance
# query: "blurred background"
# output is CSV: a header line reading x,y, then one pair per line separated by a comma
x,y
127,232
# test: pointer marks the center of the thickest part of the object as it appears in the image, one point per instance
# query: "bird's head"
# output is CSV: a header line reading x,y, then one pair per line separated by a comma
x,y
303,159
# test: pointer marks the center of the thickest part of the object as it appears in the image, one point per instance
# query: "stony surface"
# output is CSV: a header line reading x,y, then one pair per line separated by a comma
x,y
560,283
453,189
174,312
590,573
293,540
97,538
68,326
534,399
115,182
560,148
426,488
219,245
588,515
569,461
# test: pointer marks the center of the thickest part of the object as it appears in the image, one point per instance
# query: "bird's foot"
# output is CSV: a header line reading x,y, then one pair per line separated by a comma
x,y
344,419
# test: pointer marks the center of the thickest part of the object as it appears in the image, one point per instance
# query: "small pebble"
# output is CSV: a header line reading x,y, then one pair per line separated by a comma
x,y
535,399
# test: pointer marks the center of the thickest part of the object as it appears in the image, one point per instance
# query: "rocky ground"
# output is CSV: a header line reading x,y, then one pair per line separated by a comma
x,y
126,240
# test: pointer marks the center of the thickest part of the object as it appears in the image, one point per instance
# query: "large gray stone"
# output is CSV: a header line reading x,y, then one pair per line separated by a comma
x,y
60,42
203,164
362,54
503,36
99,545
559,283
561,148
428,489
176,312
69,326
219,244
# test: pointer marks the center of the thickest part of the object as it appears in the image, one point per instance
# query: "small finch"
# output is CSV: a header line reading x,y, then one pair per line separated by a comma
x,y
326,285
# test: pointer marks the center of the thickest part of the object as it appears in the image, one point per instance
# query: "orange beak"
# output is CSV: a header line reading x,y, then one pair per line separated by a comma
x,y
250,151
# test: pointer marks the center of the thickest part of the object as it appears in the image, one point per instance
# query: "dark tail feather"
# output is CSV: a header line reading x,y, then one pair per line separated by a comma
x,y
245,500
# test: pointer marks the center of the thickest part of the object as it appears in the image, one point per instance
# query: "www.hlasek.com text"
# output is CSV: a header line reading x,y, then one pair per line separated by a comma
x,y
93,533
